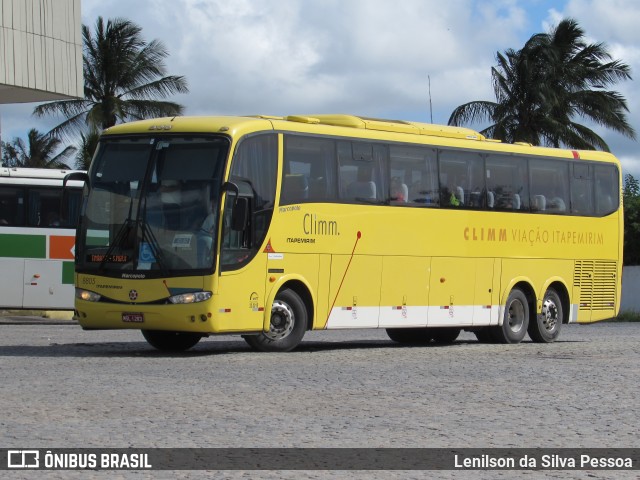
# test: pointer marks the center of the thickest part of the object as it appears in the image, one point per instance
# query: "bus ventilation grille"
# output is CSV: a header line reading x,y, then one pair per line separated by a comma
x,y
597,283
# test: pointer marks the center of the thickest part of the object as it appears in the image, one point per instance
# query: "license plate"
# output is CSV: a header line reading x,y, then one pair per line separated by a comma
x,y
133,317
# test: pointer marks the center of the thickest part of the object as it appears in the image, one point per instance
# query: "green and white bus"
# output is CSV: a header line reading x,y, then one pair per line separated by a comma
x,y
37,238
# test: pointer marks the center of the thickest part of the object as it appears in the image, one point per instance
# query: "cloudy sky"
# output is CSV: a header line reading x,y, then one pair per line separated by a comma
x,y
366,57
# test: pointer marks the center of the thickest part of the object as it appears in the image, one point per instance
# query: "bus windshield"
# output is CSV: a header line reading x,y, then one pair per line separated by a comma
x,y
152,205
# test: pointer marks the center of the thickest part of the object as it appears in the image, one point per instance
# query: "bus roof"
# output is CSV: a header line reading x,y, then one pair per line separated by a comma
x,y
347,125
36,173
224,124
382,125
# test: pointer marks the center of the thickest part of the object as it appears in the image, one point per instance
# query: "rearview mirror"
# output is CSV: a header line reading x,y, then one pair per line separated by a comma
x,y
240,214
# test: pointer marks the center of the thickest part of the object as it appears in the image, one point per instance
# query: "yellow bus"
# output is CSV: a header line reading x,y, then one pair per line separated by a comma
x,y
268,227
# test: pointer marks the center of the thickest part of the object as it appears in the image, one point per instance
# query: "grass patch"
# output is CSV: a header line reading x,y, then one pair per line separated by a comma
x,y
627,316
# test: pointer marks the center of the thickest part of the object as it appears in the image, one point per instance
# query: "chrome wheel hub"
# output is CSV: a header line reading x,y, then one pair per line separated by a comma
x,y
549,315
282,321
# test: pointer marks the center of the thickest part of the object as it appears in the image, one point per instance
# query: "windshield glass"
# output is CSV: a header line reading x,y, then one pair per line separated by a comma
x,y
153,205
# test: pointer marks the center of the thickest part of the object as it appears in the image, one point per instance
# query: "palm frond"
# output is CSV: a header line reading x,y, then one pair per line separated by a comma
x,y
472,112
160,88
141,109
69,127
544,88
119,67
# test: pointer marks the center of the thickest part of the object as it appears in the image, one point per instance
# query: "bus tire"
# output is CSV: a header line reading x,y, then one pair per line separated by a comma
x,y
171,341
547,326
289,321
444,335
410,336
516,319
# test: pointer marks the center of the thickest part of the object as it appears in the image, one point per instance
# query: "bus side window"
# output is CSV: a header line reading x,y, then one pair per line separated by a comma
x,y
295,188
549,185
360,171
309,170
363,188
71,210
606,189
11,206
414,177
44,207
506,182
461,179
582,189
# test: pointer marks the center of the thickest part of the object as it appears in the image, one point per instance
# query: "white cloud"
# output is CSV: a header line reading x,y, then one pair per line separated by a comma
x,y
368,57
612,21
361,56
630,165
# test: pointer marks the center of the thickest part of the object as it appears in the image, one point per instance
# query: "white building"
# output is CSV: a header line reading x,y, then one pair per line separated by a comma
x,y
40,50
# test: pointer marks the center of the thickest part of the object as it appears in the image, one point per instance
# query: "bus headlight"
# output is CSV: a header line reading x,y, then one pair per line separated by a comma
x,y
87,295
194,297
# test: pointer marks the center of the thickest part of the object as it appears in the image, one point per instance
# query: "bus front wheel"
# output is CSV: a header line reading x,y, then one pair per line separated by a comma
x,y
171,341
288,324
547,326
516,319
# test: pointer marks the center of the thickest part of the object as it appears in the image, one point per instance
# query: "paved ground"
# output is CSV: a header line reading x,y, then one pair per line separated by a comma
x,y
63,387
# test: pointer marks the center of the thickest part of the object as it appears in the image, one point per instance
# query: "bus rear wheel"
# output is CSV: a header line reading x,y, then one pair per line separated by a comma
x,y
516,319
547,326
410,336
171,341
289,321
444,335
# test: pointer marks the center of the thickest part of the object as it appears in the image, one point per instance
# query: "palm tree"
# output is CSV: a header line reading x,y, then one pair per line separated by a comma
x,y
86,149
123,79
39,153
543,88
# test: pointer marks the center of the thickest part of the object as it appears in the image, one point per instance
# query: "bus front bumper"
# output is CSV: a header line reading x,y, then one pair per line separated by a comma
x,y
197,317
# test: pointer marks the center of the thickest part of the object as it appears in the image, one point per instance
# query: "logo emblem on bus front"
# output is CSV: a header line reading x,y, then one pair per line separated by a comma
x,y
133,295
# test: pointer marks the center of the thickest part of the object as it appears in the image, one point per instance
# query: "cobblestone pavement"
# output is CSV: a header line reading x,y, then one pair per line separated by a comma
x,y
63,387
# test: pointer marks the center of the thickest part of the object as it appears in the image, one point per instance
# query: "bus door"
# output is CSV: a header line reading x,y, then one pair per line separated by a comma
x,y
45,285
354,291
405,292
248,209
243,292
461,291
243,268
487,288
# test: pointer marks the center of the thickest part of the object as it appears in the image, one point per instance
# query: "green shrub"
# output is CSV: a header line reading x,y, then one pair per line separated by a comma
x,y
627,316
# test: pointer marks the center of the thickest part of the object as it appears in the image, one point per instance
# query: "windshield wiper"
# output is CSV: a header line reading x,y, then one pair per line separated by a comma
x,y
147,234
122,234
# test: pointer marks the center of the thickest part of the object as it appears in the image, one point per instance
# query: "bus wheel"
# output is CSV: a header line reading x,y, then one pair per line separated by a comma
x,y
288,324
444,335
547,326
516,319
412,336
171,341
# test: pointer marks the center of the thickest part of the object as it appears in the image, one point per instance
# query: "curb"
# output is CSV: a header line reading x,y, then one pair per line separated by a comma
x,y
37,317
26,320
